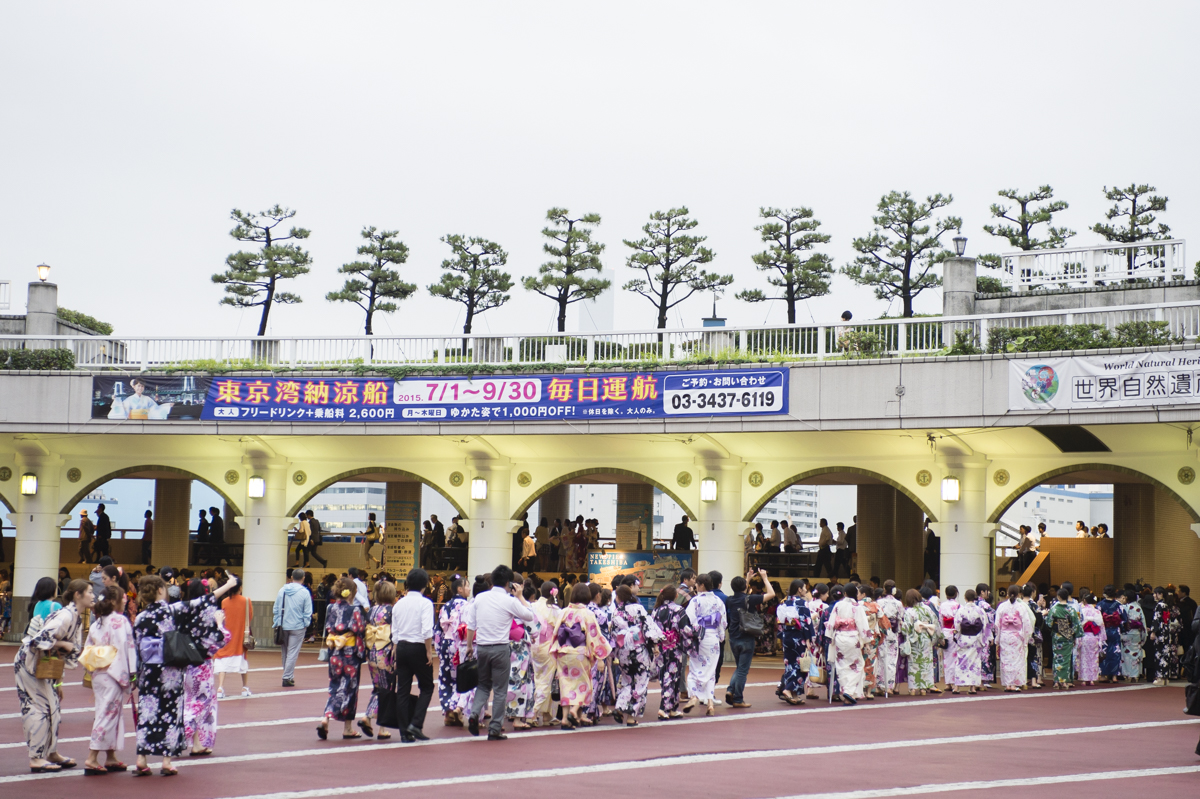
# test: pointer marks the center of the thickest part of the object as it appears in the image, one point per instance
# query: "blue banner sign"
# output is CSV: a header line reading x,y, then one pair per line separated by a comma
x,y
634,395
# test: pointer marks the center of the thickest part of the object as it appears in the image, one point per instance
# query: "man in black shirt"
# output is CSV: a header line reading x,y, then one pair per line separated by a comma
x,y
741,643
315,539
103,533
683,539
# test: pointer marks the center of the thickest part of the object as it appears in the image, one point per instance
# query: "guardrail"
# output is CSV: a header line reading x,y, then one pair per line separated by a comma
x,y
899,337
5,294
1095,266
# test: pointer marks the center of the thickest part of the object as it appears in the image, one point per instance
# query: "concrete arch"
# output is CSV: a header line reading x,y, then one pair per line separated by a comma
x,y
770,494
7,504
337,478
1023,489
601,470
83,492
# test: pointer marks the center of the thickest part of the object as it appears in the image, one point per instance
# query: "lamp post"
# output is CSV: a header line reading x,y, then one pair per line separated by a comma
x,y
960,245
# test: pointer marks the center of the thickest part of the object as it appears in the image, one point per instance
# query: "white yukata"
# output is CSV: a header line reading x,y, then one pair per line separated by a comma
x,y
889,648
848,630
1014,628
112,684
971,639
706,612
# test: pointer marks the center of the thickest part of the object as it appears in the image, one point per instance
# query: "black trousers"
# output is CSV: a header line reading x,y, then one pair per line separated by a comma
x,y
824,559
312,550
412,661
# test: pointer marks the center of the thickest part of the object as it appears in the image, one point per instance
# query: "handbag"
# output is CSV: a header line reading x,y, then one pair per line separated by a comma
x,y
279,629
389,712
323,654
804,663
466,677
516,631
248,635
818,675
49,667
180,650
752,623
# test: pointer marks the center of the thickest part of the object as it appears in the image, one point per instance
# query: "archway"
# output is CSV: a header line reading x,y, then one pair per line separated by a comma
x,y
831,473
149,471
373,474
595,475
7,504
1149,528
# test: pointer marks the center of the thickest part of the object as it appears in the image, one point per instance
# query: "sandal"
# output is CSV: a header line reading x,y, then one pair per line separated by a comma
x,y
168,772
365,726
322,732
662,716
116,767
65,763
142,771
88,771
384,736
633,723
618,717
201,753
48,768
352,737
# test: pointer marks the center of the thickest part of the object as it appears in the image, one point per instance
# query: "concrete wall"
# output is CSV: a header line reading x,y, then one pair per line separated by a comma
x,y
889,536
1098,297
1152,537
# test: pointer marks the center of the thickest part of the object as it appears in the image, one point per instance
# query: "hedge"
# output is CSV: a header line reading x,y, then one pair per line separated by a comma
x,y
37,359
83,320
1052,338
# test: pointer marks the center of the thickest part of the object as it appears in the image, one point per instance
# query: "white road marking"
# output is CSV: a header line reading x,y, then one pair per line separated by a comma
x,y
272,668
660,762
1021,783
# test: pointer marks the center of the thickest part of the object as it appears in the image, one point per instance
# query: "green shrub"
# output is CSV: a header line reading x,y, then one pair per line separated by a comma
x,y
1047,338
83,320
986,284
37,359
862,344
964,344
1145,334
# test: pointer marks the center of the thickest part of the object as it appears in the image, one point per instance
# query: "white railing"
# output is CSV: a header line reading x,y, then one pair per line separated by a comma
x,y
5,294
1095,266
896,337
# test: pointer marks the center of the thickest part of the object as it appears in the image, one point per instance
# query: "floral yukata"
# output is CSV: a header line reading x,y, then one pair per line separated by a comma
x,y
452,651
891,610
604,673
1165,626
521,686
199,687
161,701
344,629
113,683
40,709
543,662
1115,619
706,616
971,645
381,658
1014,627
577,646
921,629
633,633
796,630
1133,638
847,631
1065,629
1092,644
669,664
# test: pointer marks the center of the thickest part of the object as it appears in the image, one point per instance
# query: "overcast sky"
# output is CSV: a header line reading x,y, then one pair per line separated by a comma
x,y
131,129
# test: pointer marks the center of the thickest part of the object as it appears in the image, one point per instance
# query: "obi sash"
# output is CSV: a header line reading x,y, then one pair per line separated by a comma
x,y
1010,622
1112,619
947,622
150,651
341,641
972,627
571,636
1092,627
844,625
379,636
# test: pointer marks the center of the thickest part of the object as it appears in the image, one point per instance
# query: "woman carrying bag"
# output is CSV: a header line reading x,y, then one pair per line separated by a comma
x,y
231,658
39,665
111,659
345,649
199,686
160,630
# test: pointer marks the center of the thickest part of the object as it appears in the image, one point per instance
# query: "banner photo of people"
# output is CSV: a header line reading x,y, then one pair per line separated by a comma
x,y
655,570
634,395
1105,381
148,399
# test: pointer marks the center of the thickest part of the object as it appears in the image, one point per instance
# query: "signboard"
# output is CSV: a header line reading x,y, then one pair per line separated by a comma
x,y
633,531
400,541
630,395
656,570
1105,381
148,398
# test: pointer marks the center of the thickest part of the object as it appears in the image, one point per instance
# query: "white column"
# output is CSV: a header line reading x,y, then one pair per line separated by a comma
x,y
264,562
719,534
490,540
963,526
37,522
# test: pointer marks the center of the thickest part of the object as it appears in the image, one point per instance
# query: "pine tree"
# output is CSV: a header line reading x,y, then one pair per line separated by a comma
x,y
252,278
564,279
375,284
791,235
473,277
1020,234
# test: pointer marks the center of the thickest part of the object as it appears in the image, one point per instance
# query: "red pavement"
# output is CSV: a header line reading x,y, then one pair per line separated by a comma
x,y
268,746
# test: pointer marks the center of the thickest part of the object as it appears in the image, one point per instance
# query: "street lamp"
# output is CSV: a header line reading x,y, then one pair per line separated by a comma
x,y
960,244
43,272
29,484
479,489
256,488
708,490
950,489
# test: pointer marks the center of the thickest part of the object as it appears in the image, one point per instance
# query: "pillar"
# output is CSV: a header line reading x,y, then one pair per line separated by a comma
x,y
41,314
908,542
720,527
172,522
635,516
958,287
555,503
37,522
963,526
402,525
264,558
490,540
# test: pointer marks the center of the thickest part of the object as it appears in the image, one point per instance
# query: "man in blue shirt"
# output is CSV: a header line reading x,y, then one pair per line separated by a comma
x,y
292,615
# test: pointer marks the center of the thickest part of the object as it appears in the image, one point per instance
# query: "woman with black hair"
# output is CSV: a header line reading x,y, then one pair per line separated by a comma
x,y
112,659
449,640
1164,632
669,664
199,682
60,634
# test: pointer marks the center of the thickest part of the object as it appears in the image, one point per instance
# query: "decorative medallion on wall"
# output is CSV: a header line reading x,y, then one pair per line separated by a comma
x,y
299,478
5,474
74,475
524,479
684,479
924,478
1001,477
232,476
456,479
755,479
1187,475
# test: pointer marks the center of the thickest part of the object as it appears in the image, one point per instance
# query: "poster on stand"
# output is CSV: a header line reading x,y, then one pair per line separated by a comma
x,y
656,569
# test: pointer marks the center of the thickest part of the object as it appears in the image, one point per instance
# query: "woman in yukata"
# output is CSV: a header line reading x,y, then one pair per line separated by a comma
x,y
138,405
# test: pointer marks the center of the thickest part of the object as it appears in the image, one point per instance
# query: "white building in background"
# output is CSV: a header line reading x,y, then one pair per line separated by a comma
x,y
1061,506
342,508
798,504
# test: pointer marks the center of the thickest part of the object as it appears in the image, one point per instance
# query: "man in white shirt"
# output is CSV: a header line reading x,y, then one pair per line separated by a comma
x,y
412,634
489,618
361,597
791,539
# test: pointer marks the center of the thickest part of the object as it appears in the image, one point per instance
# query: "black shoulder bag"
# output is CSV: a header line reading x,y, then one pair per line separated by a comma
x,y
752,623
279,629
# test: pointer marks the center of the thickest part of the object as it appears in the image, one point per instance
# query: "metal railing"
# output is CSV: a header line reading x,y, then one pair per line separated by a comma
x,y
5,294
1095,266
890,337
